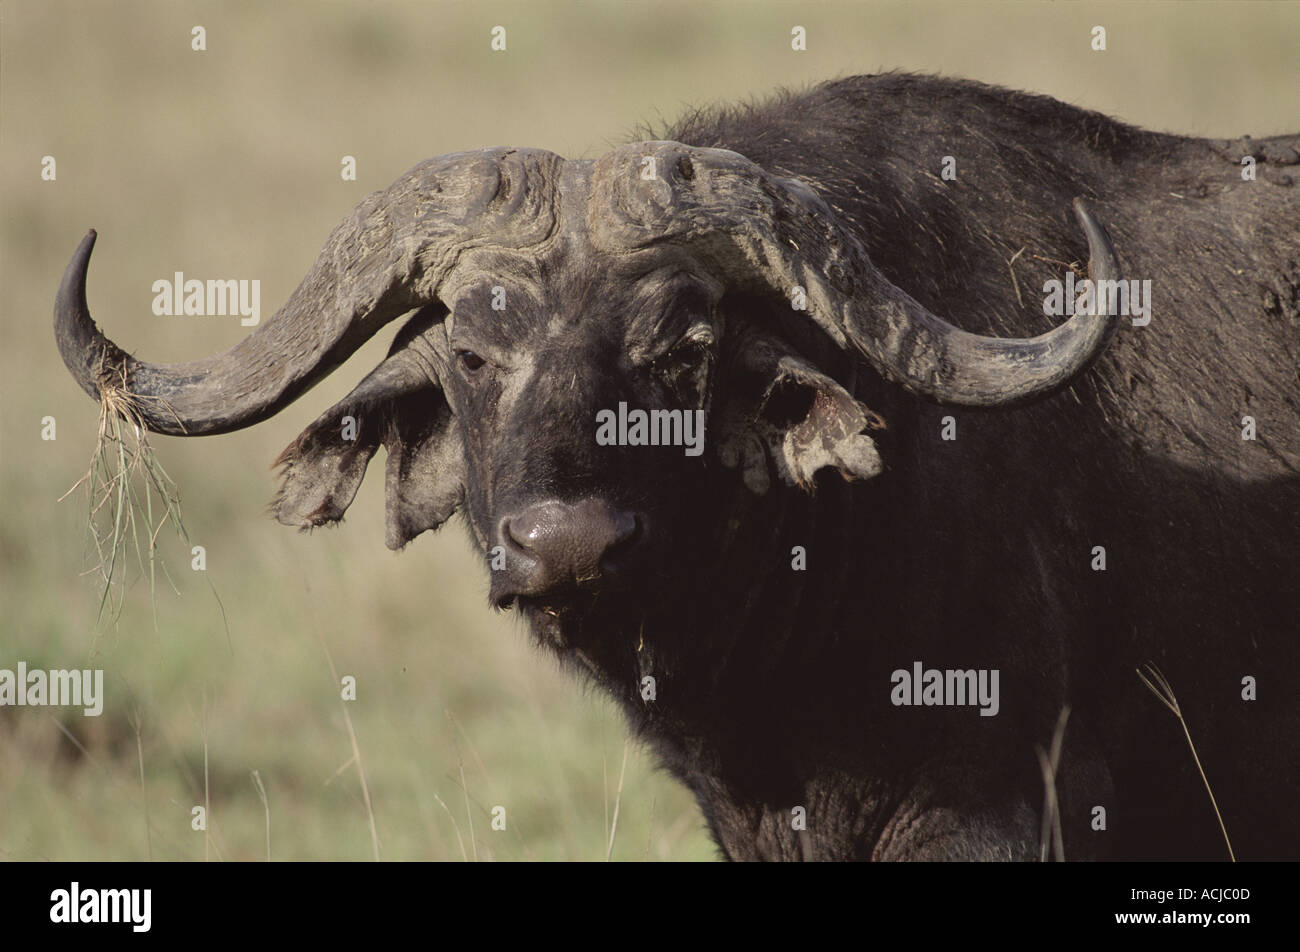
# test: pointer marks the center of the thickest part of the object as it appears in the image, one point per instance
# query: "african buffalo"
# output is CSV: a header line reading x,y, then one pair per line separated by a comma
x,y
923,517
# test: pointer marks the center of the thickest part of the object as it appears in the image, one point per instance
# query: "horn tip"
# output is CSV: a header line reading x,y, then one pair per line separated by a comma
x,y
79,340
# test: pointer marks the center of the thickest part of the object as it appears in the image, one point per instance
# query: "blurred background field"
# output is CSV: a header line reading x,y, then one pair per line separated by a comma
x,y
225,163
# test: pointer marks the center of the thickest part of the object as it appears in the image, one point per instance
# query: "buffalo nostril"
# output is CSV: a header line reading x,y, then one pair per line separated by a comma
x,y
525,533
627,526
629,529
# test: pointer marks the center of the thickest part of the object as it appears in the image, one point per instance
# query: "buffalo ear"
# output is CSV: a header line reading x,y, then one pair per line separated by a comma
x,y
800,419
400,405
424,480
323,468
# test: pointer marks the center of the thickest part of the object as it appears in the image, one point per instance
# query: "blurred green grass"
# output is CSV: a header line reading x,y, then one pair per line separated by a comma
x,y
226,163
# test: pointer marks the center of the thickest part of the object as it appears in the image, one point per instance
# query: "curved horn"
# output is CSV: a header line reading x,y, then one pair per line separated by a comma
x,y
387,258
755,227
950,365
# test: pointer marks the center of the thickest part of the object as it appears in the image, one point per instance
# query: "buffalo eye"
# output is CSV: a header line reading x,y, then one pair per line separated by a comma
x,y
470,360
685,369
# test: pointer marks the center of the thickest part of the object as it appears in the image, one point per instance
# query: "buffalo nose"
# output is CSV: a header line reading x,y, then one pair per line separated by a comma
x,y
555,543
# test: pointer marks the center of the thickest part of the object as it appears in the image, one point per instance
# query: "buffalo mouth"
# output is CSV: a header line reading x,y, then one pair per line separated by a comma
x,y
569,603
567,598
557,619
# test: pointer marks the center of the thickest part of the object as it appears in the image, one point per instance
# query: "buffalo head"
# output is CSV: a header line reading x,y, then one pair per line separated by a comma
x,y
549,295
